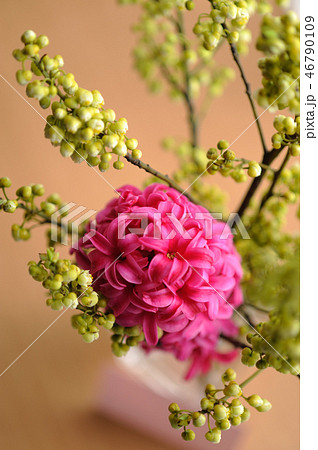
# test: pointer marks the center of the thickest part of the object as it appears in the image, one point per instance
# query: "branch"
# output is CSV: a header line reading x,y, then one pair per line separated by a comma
x,y
268,158
275,179
233,341
161,176
247,90
186,92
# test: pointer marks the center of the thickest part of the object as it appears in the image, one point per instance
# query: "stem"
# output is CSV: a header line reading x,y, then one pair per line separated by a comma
x,y
275,179
254,375
186,93
233,341
248,91
39,214
268,158
161,176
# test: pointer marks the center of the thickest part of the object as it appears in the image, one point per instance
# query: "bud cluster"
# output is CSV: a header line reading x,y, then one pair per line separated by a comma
x,y
224,161
288,133
280,42
78,124
34,215
224,406
226,19
277,341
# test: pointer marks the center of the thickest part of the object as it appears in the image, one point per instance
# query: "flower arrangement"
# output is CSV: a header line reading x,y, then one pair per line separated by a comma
x,y
163,267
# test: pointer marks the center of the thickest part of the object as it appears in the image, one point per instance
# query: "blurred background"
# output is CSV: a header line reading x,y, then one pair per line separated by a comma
x,y
50,396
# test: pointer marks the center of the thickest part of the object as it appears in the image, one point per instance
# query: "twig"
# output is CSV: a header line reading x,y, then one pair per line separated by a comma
x,y
268,158
161,176
233,341
186,93
275,179
248,91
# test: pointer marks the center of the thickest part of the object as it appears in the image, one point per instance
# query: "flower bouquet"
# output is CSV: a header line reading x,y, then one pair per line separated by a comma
x,y
166,267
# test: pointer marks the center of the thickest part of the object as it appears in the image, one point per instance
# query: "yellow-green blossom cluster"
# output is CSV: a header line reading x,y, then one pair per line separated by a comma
x,y
226,19
68,285
78,124
280,42
223,406
71,287
34,215
165,52
277,342
288,133
224,161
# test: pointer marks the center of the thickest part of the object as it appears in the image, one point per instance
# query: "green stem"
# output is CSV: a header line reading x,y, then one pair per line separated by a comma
x,y
249,379
33,213
5,194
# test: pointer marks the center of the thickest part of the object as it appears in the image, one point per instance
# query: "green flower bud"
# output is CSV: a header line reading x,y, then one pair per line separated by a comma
x,y
5,182
254,169
67,149
294,149
109,115
229,375
213,436
28,37
120,149
188,435
232,389
212,153
119,349
85,278
220,412
289,125
235,421
189,4
72,124
229,155
38,189
225,424
118,165
90,337
209,389
42,41
110,141
136,154
71,102
266,406
23,77
173,407
245,415
198,419
54,198
55,134
84,97
10,206
45,102
132,144
206,404
18,55
236,408
31,49
174,422
255,400
48,208
223,145
70,301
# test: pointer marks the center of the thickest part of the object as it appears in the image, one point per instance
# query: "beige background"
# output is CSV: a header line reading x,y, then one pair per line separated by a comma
x,y
47,397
